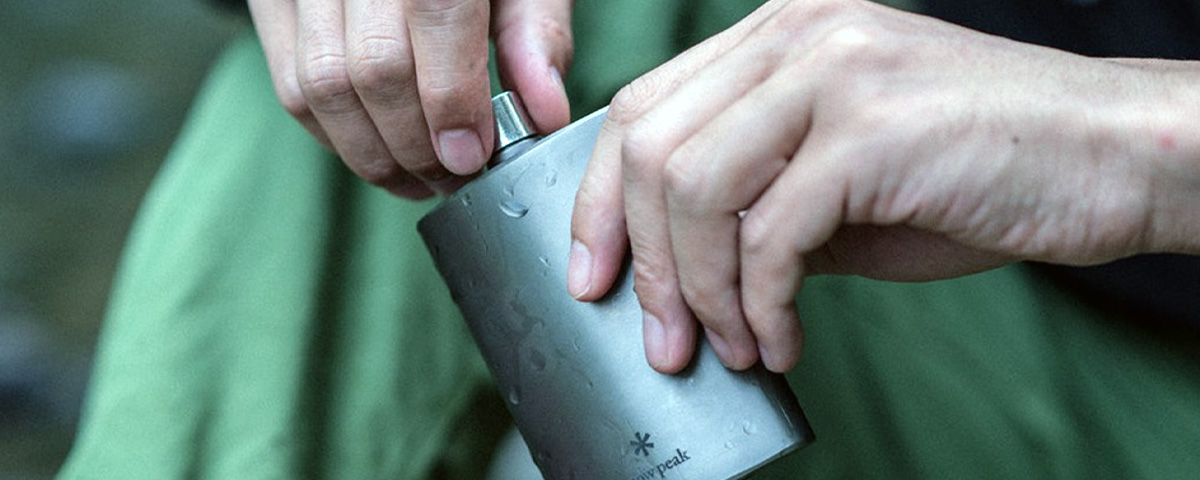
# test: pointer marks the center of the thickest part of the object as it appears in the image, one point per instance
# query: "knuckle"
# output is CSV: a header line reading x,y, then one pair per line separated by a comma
x,y
410,189
623,121
755,234
381,173
325,80
419,161
852,50
292,99
706,305
449,97
455,100
757,319
765,321
648,274
587,201
777,327
429,170
840,37
632,100
846,40
559,35
642,153
381,65
799,18
686,183
652,284
436,9
588,198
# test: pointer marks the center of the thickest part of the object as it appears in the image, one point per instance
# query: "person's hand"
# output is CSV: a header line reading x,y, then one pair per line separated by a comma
x,y
839,136
399,88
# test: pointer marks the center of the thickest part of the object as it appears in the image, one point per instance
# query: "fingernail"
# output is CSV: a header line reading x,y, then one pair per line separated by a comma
x,y
767,360
655,337
579,270
556,78
720,346
462,151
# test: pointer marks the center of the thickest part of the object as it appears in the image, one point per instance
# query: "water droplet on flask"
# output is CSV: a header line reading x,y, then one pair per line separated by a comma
x,y
514,396
551,178
537,360
465,200
514,208
749,428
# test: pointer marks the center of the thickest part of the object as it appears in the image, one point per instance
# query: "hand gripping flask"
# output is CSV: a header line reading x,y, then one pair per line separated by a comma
x,y
574,374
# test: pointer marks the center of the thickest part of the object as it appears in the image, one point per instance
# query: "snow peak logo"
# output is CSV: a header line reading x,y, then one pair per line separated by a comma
x,y
642,445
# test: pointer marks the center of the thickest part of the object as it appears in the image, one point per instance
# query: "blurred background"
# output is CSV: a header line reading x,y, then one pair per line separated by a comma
x,y
91,96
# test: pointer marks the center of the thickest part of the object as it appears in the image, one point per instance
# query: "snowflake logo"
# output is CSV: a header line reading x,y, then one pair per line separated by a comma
x,y
642,444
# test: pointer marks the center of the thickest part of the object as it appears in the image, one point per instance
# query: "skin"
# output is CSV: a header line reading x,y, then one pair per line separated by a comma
x,y
399,89
844,137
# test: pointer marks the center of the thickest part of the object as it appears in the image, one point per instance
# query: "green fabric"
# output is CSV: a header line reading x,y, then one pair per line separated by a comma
x,y
997,375
274,317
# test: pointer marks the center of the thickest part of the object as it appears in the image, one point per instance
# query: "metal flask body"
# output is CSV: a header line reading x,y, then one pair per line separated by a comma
x,y
574,374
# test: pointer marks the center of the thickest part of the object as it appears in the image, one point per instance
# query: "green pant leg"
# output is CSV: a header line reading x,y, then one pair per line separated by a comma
x,y
998,375
273,317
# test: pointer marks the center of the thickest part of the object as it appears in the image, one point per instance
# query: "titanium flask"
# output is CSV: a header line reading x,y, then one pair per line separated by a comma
x,y
574,374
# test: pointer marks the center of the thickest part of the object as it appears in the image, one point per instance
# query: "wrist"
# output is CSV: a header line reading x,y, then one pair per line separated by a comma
x,y
1165,141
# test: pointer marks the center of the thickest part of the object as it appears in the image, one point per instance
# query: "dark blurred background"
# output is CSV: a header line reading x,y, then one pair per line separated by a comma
x,y
91,96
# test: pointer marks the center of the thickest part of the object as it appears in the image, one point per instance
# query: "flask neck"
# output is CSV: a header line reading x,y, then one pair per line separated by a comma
x,y
514,130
